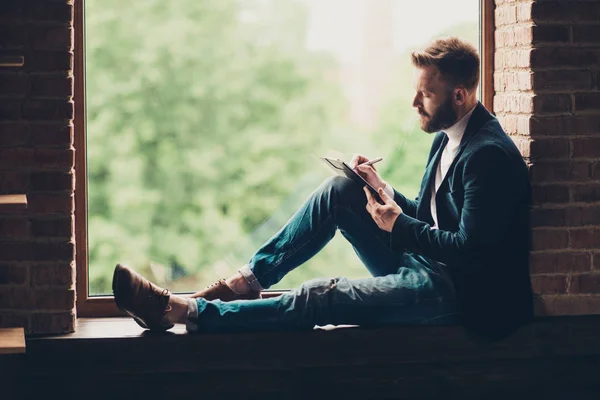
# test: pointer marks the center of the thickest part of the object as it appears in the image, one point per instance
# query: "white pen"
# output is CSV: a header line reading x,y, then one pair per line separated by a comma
x,y
376,160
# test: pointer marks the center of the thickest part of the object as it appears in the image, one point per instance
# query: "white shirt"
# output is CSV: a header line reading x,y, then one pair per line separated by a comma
x,y
455,134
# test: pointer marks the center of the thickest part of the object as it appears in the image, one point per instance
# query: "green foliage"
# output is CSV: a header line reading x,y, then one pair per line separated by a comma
x,y
202,116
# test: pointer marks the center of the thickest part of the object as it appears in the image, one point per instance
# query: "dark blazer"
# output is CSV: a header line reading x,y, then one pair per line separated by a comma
x,y
484,234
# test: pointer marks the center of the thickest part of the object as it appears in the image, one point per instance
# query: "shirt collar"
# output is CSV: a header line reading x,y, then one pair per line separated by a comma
x,y
456,131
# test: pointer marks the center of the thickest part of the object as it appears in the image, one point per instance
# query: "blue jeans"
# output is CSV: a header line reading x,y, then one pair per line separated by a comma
x,y
405,288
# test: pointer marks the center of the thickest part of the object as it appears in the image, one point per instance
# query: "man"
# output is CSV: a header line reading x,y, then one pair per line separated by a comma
x,y
458,253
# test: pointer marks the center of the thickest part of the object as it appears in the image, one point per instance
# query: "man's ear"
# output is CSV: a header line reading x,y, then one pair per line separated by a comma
x,y
460,95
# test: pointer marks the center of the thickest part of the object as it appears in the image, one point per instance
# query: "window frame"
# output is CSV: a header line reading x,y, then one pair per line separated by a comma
x,y
104,306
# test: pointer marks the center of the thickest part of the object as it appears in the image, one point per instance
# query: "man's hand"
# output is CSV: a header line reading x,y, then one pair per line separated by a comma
x,y
385,214
368,172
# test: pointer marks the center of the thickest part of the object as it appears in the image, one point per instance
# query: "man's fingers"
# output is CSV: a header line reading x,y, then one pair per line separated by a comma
x,y
384,196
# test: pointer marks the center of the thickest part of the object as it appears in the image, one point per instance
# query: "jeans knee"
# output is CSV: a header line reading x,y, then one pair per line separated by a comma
x,y
342,189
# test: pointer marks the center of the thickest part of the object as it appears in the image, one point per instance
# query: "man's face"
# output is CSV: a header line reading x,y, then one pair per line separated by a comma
x,y
433,100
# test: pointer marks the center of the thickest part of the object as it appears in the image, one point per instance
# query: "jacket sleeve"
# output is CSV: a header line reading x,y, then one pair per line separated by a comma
x,y
492,188
409,207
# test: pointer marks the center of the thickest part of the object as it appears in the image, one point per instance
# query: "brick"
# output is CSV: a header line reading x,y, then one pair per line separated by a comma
x,y
564,57
52,323
56,274
13,36
564,125
596,260
581,11
567,305
14,228
52,181
549,148
50,203
585,238
36,251
13,182
548,217
13,134
550,34
512,58
587,102
21,157
583,215
47,109
549,284
515,124
559,171
562,80
505,15
57,85
59,12
586,283
62,227
16,157
14,84
54,134
513,81
14,319
10,110
49,61
586,147
586,33
13,274
51,37
513,103
595,171
542,194
513,36
63,159
555,11
552,103
559,262
54,299
586,193
546,239
19,298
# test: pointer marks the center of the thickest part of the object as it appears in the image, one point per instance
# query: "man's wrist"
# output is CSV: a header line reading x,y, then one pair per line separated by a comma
x,y
388,189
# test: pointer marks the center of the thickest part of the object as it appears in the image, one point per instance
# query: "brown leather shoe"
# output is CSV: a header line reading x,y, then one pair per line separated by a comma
x,y
140,298
220,290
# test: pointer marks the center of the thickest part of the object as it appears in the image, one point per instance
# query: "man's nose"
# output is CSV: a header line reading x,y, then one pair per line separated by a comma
x,y
416,103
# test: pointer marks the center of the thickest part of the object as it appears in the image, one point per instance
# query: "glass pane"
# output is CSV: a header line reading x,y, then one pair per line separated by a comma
x,y
204,118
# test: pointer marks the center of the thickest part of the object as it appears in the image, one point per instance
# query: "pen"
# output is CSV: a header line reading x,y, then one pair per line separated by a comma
x,y
376,160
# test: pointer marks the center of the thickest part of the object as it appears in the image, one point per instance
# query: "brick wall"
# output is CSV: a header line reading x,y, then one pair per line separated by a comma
x,y
547,82
37,272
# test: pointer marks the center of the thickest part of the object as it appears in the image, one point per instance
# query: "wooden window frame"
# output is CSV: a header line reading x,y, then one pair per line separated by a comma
x,y
104,306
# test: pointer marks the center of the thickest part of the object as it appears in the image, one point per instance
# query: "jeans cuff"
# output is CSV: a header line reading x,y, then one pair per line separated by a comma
x,y
191,323
250,278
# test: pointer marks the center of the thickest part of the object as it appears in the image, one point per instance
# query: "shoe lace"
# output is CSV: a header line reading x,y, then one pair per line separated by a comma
x,y
161,298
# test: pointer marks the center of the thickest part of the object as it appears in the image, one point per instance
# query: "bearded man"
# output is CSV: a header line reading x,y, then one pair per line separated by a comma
x,y
458,253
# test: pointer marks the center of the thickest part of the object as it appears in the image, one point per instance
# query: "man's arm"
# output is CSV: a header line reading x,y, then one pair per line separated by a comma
x,y
409,207
492,189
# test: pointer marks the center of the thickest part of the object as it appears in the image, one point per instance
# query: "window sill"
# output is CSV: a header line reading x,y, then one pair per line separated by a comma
x,y
556,355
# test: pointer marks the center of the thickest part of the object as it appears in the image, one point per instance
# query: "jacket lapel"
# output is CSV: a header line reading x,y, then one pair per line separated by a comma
x,y
479,117
428,178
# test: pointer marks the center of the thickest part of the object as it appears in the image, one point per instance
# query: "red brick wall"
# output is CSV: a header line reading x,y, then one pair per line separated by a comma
x,y
37,272
547,82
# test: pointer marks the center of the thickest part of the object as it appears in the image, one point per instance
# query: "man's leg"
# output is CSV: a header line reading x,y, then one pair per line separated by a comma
x,y
418,294
338,203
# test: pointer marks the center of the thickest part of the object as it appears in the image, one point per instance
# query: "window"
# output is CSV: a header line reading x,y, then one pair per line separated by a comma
x,y
198,122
